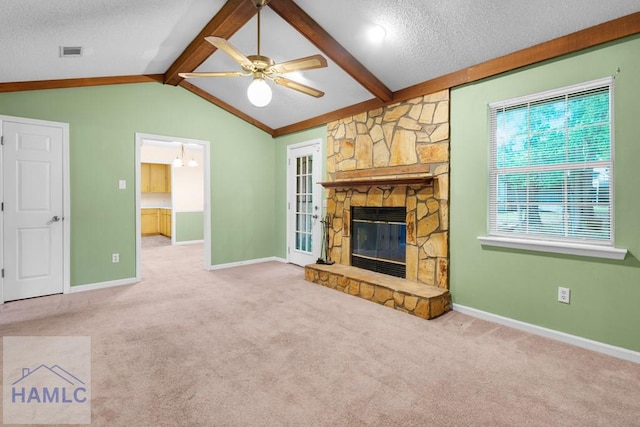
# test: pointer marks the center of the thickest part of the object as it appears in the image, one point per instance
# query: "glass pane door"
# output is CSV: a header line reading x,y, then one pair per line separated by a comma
x,y
304,204
304,229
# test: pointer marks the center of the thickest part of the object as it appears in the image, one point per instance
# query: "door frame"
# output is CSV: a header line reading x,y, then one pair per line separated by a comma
x,y
206,169
322,203
66,204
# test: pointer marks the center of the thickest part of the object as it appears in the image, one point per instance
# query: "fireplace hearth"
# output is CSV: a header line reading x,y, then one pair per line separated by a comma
x,y
379,239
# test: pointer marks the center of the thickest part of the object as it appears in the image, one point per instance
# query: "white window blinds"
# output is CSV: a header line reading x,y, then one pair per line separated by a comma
x,y
551,167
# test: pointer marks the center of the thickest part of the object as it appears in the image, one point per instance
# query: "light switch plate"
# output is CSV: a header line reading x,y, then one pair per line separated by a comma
x,y
122,184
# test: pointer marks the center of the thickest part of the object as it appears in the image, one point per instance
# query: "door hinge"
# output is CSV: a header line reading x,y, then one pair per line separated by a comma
x,y
288,205
1,139
289,161
2,206
3,273
288,251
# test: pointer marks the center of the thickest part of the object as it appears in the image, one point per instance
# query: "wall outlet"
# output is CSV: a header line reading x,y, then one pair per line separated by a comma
x,y
564,295
115,258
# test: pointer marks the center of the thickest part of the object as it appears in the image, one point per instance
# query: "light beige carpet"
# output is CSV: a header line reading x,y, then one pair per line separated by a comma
x,y
257,345
153,241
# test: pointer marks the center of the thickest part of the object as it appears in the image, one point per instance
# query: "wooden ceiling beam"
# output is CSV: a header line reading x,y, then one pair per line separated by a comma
x,y
231,17
81,82
305,25
351,110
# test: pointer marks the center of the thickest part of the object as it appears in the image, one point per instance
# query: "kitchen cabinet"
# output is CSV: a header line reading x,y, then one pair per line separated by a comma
x,y
149,224
155,178
165,222
155,221
145,178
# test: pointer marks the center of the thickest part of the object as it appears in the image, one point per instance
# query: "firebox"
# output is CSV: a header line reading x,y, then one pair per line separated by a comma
x,y
379,239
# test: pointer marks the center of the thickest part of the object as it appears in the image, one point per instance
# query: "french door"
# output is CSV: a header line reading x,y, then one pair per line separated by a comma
x,y
304,204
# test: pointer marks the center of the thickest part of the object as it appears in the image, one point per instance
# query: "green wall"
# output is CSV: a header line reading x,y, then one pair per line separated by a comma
x,y
189,226
103,121
280,168
605,294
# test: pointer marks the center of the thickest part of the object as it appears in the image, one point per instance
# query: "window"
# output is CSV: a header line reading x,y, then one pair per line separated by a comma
x,y
551,167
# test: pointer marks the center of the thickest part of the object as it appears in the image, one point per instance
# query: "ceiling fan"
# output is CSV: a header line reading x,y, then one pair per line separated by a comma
x,y
262,67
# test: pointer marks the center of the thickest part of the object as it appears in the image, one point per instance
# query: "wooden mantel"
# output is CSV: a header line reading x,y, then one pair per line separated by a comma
x,y
366,182
392,175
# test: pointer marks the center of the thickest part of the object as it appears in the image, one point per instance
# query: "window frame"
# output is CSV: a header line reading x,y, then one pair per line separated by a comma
x,y
555,244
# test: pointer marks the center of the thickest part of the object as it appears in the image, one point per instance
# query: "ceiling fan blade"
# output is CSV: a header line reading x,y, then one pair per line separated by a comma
x,y
307,90
228,48
214,74
301,64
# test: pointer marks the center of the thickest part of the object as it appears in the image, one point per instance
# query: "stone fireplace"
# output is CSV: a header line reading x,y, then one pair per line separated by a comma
x,y
393,157
397,156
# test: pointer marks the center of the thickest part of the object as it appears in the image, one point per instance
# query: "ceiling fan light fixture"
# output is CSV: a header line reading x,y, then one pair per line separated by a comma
x,y
259,92
261,67
376,34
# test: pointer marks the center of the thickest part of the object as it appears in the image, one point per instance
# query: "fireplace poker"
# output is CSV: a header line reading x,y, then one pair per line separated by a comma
x,y
326,223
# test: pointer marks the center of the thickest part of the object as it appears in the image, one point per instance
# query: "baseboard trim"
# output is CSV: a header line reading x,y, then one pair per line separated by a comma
x,y
188,242
610,350
247,262
103,285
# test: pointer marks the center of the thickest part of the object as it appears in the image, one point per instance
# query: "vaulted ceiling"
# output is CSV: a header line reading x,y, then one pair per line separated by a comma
x,y
428,45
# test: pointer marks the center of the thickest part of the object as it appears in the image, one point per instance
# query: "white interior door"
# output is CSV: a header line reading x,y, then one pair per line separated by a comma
x,y
32,229
304,204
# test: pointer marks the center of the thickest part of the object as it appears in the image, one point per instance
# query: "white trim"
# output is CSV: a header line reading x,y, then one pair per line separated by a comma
x,y
290,185
553,92
140,138
103,285
247,262
610,350
565,248
302,144
66,200
66,203
138,183
188,242
173,144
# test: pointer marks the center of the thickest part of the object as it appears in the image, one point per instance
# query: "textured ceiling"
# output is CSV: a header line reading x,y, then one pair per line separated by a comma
x,y
428,39
424,40
119,37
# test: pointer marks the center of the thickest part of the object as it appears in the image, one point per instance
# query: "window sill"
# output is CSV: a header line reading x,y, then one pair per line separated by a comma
x,y
555,247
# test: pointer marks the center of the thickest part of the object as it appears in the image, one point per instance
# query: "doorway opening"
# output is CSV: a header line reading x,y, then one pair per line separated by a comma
x,y
172,194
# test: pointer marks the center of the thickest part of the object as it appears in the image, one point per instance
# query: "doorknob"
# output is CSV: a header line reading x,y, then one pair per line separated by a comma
x,y
56,218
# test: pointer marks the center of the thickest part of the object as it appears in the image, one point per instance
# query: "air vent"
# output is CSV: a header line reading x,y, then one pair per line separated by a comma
x,y
70,51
